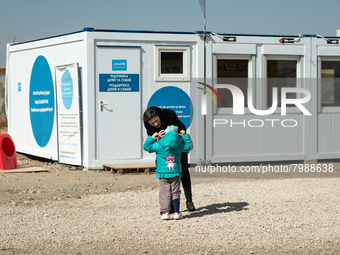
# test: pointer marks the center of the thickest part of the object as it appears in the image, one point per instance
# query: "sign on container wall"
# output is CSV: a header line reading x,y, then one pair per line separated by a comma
x,y
68,115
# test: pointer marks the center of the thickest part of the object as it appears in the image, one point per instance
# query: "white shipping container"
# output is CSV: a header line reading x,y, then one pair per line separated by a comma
x,y
78,98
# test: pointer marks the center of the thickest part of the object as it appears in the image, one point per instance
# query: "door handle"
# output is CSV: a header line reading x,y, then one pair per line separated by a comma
x,y
102,107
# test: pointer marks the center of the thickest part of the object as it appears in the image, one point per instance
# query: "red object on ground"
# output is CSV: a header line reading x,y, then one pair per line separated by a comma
x,y
8,155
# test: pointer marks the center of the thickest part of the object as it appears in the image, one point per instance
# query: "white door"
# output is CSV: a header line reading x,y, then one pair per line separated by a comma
x,y
118,103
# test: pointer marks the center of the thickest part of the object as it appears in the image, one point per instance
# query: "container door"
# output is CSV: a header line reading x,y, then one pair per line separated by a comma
x,y
328,68
118,103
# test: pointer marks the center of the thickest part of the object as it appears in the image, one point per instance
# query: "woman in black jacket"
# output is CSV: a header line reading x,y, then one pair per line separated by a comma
x,y
156,120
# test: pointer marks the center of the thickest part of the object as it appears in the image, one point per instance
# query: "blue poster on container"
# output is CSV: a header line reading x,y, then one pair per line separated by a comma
x,y
68,115
41,101
175,99
118,82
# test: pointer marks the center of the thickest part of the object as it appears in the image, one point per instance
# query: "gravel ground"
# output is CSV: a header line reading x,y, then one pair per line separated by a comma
x,y
75,212
97,212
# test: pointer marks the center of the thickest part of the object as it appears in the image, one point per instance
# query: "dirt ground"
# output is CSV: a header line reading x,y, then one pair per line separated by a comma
x,y
62,183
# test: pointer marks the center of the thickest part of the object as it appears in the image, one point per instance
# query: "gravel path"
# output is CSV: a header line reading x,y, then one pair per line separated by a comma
x,y
276,216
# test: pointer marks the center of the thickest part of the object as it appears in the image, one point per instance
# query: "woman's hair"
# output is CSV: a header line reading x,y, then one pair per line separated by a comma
x,y
149,114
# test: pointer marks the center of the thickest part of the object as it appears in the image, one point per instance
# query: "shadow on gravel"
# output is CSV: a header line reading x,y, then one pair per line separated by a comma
x,y
218,208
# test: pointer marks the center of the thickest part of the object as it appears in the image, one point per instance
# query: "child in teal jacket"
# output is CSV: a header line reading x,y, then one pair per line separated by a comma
x,y
168,167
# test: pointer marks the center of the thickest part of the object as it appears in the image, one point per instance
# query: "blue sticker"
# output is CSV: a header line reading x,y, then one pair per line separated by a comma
x,y
41,101
118,82
175,99
19,86
119,65
67,89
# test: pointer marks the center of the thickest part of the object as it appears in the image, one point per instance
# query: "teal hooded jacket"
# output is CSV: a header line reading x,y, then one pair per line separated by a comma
x,y
168,153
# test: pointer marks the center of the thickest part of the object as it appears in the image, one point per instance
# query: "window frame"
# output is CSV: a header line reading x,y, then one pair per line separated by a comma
x,y
327,109
299,75
185,76
251,79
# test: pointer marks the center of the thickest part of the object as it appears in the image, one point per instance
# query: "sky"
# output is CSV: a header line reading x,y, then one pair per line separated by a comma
x,y
24,20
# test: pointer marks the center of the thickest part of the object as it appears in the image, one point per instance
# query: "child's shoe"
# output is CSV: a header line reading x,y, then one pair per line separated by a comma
x,y
165,216
178,216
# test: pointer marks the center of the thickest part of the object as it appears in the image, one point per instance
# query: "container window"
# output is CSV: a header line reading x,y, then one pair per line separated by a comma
x,y
330,83
172,63
280,74
235,72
